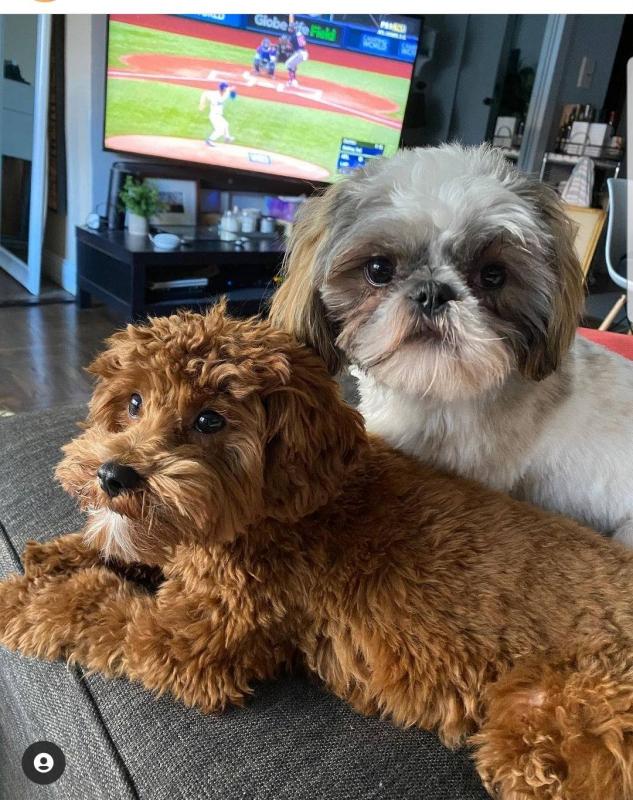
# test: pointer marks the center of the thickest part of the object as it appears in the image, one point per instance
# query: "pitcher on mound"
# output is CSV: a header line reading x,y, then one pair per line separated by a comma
x,y
216,100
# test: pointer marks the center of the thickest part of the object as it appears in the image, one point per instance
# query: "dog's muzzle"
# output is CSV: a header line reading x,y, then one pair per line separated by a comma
x,y
115,478
431,296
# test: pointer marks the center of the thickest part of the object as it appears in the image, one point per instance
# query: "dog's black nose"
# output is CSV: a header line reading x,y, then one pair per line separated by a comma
x,y
432,296
116,478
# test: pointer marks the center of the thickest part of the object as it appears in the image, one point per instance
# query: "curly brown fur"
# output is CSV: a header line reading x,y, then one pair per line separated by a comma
x,y
149,578
291,534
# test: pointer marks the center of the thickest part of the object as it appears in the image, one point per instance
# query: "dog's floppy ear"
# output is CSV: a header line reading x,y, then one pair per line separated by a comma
x,y
120,347
297,306
545,354
108,362
313,439
106,367
110,365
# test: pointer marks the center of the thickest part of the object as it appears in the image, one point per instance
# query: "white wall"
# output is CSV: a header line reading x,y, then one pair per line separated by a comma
x,y
88,166
79,121
101,160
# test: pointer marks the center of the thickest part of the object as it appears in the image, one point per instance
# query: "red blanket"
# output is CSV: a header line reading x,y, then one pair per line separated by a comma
x,y
618,342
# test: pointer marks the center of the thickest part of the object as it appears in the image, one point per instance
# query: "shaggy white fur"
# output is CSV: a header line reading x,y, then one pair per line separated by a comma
x,y
568,451
118,542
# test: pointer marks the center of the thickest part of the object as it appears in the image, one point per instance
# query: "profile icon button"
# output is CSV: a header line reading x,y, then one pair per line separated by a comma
x,y
43,762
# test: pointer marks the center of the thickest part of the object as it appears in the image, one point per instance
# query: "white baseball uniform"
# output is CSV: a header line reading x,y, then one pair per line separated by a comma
x,y
216,100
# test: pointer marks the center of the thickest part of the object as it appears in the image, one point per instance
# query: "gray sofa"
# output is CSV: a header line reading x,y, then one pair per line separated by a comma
x,y
292,740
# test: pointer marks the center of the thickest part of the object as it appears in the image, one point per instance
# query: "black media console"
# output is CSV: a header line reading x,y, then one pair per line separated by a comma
x,y
130,275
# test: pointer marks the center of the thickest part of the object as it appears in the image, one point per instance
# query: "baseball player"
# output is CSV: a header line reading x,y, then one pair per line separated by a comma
x,y
284,48
265,56
216,100
299,51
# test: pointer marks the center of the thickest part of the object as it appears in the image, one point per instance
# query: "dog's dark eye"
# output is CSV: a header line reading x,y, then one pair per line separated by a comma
x,y
492,276
134,406
209,422
379,271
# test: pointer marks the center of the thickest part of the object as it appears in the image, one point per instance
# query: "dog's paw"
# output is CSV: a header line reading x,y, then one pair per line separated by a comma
x,y
69,616
59,556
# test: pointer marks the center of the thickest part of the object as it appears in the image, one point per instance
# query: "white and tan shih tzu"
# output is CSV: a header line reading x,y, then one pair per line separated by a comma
x,y
448,281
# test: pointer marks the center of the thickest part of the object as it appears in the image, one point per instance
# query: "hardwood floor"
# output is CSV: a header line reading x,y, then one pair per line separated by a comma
x,y
13,294
43,350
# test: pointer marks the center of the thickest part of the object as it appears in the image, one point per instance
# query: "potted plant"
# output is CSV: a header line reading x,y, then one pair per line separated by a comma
x,y
141,201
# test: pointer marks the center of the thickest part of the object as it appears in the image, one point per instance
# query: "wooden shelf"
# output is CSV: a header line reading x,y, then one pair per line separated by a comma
x,y
119,270
255,294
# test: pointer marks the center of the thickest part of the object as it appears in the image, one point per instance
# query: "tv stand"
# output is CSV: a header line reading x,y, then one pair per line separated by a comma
x,y
130,275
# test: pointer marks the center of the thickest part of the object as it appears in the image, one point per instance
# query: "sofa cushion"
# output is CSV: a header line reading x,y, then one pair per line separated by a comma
x,y
292,740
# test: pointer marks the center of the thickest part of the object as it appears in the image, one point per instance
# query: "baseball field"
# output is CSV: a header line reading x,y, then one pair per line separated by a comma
x,y
158,66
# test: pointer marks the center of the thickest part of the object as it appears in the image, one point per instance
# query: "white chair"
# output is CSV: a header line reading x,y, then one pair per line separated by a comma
x,y
619,259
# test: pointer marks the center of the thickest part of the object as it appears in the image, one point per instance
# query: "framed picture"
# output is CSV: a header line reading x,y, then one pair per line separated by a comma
x,y
590,222
180,199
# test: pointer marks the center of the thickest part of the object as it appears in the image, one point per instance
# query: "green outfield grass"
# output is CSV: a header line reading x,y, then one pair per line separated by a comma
x,y
160,109
126,39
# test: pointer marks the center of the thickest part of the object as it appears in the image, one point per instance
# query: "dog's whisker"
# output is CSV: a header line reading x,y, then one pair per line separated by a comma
x,y
435,371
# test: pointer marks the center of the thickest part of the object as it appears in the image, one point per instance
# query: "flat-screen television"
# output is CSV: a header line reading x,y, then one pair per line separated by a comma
x,y
299,96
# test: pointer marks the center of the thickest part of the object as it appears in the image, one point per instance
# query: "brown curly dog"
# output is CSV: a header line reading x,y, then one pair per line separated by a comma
x,y
220,454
